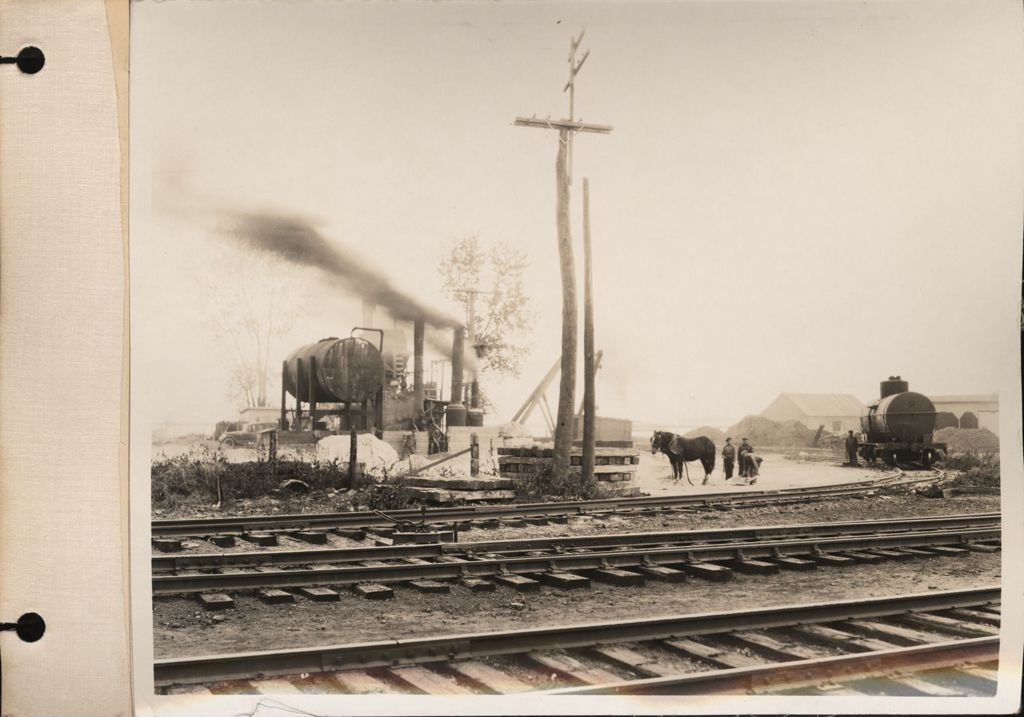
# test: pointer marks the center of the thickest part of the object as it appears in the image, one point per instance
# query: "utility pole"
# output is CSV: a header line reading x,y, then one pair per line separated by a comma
x,y
567,128
589,362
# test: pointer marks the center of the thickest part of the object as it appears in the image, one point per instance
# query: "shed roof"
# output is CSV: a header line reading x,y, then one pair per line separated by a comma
x,y
967,398
826,404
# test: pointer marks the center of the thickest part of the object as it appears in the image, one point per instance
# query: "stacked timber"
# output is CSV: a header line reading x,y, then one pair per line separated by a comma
x,y
448,489
615,466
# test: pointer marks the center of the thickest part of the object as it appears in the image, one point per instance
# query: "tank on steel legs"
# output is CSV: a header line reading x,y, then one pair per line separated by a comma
x,y
343,371
340,377
898,426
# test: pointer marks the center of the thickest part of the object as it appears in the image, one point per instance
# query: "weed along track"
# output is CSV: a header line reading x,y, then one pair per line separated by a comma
x,y
571,562
947,640
521,514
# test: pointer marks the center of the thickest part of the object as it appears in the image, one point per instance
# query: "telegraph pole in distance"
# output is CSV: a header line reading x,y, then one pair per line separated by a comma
x,y
567,128
474,391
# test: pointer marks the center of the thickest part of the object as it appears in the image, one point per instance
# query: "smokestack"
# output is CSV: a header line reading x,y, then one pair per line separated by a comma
x,y
417,364
458,345
369,309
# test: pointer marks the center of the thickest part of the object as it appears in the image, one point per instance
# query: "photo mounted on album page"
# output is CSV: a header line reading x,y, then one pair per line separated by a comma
x,y
575,358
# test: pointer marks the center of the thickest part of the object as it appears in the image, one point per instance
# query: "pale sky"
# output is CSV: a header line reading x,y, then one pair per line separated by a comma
x,y
796,196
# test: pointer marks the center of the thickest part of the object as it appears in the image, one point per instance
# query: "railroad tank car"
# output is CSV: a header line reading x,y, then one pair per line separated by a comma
x,y
899,426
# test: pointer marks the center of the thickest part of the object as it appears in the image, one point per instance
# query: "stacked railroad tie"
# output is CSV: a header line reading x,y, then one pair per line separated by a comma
x,y
615,468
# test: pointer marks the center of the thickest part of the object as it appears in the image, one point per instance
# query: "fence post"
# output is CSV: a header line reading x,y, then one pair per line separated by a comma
x,y
474,455
353,456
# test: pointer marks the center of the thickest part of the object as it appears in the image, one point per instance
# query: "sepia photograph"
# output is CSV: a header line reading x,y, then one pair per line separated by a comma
x,y
519,353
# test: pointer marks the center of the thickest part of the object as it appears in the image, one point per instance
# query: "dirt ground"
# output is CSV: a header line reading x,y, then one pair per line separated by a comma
x,y
182,628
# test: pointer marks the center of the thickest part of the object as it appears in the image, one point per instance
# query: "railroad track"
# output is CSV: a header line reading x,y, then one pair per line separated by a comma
x,y
932,644
464,517
571,562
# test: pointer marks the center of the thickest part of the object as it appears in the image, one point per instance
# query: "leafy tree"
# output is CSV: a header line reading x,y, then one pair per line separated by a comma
x,y
488,282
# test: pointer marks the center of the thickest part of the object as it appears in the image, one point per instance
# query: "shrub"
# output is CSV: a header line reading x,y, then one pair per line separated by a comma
x,y
192,478
389,495
974,469
542,485
970,459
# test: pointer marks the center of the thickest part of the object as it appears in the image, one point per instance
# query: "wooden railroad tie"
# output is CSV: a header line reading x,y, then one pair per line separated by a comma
x,y
216,601
272,596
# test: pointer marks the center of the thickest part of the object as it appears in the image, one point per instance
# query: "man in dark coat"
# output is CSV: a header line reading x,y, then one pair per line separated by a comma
x,y
851,448
746,453
728,457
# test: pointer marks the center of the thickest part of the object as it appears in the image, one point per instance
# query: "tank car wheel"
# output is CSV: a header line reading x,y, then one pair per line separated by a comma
x,y
926,459
889,457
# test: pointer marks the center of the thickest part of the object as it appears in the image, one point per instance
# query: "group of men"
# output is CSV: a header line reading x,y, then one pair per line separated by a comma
x,y
749,462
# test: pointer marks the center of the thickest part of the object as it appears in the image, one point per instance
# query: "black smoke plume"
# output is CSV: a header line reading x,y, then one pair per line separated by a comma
x,y
298,241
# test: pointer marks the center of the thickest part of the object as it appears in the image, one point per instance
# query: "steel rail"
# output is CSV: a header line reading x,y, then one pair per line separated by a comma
x,y
803,673
173,563
178,527
383,653
567,562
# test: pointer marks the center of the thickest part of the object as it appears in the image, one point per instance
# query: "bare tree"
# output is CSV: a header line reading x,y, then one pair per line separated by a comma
x,y
251,302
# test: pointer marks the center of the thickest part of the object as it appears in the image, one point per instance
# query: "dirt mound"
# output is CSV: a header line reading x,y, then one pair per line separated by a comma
x,y
967,439
765,432
378,456
715,434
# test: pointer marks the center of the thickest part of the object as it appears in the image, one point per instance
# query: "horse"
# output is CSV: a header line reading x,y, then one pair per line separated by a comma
x,y
681,450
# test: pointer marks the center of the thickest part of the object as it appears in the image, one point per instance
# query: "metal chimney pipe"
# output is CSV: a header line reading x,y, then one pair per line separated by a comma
x,y
458,346
417,365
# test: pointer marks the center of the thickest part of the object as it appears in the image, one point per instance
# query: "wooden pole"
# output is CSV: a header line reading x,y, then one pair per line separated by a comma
x,y
312,393
567,382
353,456
597,367
474,455
283,424
523,414
566,129
589,364
298,394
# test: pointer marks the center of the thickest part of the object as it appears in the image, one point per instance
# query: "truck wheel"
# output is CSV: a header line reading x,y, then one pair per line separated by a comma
x,y
228,443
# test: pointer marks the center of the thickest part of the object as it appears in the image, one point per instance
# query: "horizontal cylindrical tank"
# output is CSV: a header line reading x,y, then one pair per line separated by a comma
x,y
906,416
345,371
893,386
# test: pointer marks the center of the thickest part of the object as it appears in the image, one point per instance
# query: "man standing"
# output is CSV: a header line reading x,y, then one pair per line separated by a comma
x,y
851,449
728,457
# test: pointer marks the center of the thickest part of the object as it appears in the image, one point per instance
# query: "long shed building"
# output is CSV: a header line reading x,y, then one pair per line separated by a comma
x,y
838,412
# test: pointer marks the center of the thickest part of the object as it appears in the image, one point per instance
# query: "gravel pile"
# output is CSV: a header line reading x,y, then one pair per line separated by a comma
x,y
715,434
764,432
960,440
378,456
